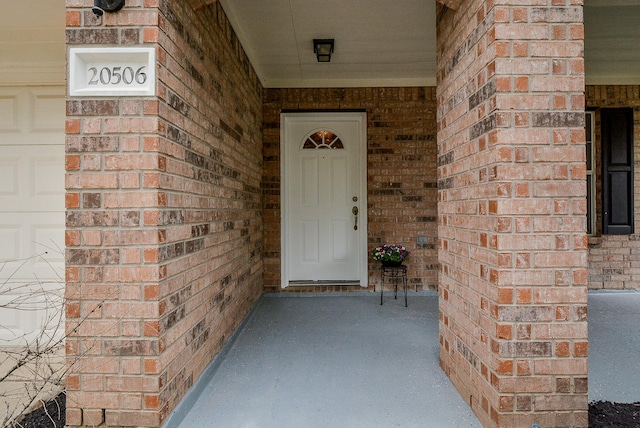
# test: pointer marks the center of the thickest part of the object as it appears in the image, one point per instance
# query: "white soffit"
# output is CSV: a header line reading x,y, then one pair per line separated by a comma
x,y
378,42
612,42
608,3
32,42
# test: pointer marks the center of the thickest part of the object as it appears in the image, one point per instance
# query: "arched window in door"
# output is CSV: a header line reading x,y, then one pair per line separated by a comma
x,y
323,140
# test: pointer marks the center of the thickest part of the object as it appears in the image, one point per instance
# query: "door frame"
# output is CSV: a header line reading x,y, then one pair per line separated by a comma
x,y
360,117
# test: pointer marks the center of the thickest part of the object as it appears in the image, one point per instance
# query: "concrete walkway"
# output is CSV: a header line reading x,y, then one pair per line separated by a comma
x,y
614,346
328,361
331,362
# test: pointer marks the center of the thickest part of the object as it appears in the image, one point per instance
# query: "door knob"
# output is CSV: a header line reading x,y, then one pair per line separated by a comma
x,y
354,210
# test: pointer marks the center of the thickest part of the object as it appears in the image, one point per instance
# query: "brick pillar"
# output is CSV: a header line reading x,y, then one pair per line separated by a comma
x,y
112,238
164,234
511,210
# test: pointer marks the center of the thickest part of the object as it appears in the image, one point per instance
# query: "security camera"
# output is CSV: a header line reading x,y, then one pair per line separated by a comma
x,y
97,9
102,6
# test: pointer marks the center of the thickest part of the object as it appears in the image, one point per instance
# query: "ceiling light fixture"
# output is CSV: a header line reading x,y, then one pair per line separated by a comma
x,y
323,48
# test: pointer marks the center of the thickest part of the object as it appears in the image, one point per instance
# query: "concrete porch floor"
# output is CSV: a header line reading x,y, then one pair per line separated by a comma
x,y
614,346
347,361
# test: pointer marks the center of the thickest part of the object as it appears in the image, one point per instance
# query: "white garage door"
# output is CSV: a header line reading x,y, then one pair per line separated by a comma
x,y
31,210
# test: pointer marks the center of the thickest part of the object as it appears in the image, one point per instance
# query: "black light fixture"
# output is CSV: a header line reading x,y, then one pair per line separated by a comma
x,y
102,6
323,48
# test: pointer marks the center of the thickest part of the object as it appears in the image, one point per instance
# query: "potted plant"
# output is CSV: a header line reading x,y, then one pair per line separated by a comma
x,y
390,254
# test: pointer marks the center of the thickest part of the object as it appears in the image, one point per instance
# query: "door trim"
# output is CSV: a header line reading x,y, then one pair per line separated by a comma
x,y
361,119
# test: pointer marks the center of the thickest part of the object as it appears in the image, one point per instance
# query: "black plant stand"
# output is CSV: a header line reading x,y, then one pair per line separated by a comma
x,y
397,274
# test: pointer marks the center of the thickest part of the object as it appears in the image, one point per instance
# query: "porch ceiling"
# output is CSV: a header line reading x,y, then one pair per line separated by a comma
x,y
392,42
377,42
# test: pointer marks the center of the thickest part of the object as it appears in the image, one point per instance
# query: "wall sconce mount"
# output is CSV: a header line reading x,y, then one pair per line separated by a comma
x,y
102,6
323,48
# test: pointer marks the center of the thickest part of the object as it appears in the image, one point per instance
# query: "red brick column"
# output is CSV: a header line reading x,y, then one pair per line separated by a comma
x,y
112,268
164,234
511,211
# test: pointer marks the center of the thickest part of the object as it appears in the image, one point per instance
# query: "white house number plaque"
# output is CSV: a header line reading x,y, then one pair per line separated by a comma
x,y
112,72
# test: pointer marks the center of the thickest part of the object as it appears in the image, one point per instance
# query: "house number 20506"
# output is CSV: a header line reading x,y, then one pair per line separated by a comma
x,y
117,75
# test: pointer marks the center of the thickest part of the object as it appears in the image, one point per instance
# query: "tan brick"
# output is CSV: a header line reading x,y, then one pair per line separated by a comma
x,y
131,418
73,416
131,401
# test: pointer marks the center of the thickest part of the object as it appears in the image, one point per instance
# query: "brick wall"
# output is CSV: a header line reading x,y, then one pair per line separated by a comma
x,y
164,229
401,159
511,207
614,260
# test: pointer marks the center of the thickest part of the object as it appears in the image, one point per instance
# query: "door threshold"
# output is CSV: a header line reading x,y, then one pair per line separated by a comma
x,y
324,283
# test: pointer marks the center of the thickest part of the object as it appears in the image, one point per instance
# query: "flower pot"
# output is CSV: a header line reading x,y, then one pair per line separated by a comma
x,y
391,263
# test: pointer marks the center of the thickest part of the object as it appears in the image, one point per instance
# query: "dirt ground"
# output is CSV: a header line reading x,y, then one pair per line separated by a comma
x,y
602,414
51,415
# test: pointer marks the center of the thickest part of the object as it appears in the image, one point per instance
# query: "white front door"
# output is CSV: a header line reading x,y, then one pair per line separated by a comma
x,y
324,198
